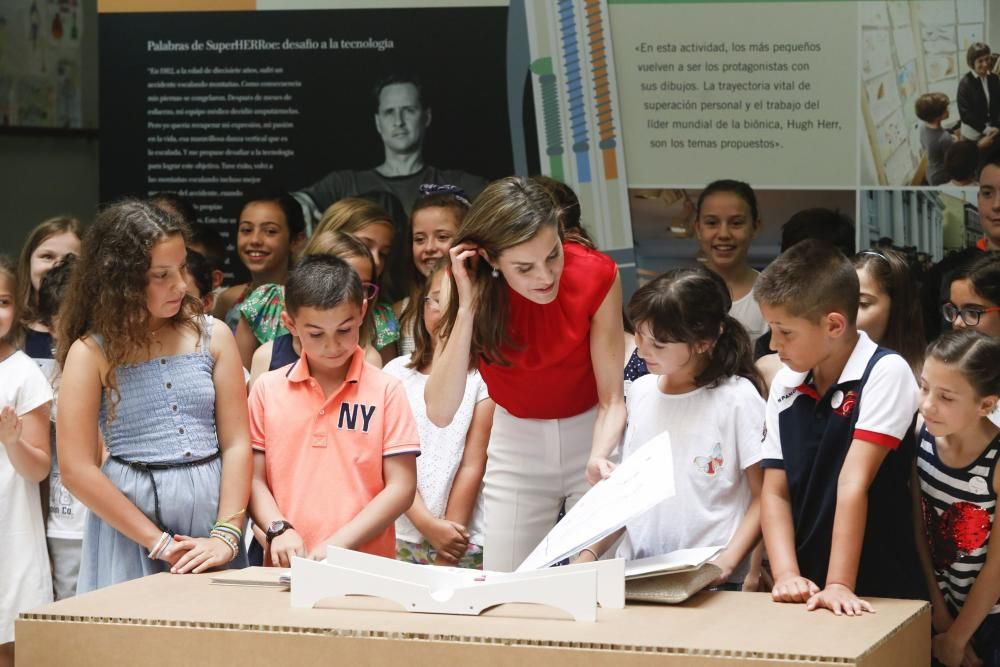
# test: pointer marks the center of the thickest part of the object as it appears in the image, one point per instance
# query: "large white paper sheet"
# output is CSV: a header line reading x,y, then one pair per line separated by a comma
x,y
643,480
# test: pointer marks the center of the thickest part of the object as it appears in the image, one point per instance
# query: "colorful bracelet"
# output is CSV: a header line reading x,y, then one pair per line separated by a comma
x,y
228,538
229,528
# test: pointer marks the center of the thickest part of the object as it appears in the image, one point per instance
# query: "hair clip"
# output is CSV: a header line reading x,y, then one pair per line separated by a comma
x,y
872,252
428,189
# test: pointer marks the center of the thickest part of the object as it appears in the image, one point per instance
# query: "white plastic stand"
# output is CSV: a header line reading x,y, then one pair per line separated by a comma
x,y
575,589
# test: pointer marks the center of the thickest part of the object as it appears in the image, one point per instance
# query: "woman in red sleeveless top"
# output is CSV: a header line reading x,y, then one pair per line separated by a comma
x,y
540,312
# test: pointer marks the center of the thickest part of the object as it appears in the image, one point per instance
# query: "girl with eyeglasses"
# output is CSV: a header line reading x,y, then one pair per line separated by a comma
x,y
444,524
974,301
974,297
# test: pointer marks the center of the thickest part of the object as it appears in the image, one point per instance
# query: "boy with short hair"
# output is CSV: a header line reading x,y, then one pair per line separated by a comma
x,y
838,442
334,439
932,109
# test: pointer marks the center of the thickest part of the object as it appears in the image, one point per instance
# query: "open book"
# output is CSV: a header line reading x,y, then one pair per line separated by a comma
x,y
682,560
671,578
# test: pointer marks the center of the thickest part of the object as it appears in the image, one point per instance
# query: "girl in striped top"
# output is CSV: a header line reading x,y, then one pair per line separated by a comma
x,y
958,484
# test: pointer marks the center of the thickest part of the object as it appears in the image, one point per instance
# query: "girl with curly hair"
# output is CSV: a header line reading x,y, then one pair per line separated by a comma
x,y
164,386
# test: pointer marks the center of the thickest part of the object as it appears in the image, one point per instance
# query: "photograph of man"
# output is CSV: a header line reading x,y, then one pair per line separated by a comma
x,y
402,117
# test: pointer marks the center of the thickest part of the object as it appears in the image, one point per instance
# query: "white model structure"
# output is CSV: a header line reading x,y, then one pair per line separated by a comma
x,y
638,484
575,589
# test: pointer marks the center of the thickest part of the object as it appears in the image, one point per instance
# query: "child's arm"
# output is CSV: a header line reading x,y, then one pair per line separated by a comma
x,y
246,341
881,425
469,477
260,363
400,474
607,343
597,549
779,536
953,645
264,509
448,538
233,430
747,534
26,439
79,458
849,519
940,616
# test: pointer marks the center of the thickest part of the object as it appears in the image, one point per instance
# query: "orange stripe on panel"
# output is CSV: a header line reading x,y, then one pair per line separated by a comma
x,y
125,6
610,164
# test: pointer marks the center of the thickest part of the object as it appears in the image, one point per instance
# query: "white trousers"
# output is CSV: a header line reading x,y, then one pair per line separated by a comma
x,y
534,467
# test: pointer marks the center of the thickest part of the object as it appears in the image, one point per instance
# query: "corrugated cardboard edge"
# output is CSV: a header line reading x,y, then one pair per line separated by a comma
x,y
871,658
86,645
916,644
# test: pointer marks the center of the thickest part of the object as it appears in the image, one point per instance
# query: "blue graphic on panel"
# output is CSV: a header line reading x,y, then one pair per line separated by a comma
x,y
577,113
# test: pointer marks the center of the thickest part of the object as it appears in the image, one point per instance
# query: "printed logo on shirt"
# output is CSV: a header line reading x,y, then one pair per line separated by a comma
x,y
763,435
785,397
349,413
710,465
844,406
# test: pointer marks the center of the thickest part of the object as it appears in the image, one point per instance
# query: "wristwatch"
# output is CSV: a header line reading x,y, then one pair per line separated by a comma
x,y
276,528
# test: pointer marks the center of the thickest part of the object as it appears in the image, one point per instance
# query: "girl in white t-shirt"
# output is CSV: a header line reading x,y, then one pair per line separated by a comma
x,y
444,524
704,390
25,397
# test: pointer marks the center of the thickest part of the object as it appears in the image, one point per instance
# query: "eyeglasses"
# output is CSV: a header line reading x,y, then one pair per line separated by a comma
x,y
969,314
370,291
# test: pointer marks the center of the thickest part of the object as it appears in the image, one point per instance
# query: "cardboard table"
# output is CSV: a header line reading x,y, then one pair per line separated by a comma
x,y
172,620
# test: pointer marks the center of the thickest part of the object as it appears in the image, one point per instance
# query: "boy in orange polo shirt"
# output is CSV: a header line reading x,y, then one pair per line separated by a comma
x,y
334,438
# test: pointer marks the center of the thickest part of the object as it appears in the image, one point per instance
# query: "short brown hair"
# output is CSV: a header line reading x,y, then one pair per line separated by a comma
x,y
931,106
976,51
809,280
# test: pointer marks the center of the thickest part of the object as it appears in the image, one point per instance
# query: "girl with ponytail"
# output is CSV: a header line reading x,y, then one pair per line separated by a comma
x,y
704,390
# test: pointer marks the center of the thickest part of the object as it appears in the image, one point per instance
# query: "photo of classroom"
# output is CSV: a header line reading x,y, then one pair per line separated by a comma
x,y
930,98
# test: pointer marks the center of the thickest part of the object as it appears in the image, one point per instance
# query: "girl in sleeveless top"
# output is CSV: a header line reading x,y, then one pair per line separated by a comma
x,y
959,481
164,387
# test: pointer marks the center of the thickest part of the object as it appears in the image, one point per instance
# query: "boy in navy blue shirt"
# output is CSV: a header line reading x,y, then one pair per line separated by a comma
x,y
838,442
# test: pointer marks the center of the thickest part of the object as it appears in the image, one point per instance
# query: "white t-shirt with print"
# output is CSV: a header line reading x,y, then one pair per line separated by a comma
x,y
25,581
715,435
441,449
67,515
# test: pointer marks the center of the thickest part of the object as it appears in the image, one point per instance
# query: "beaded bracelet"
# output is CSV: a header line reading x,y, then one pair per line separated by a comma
x,y
229,528
228,539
